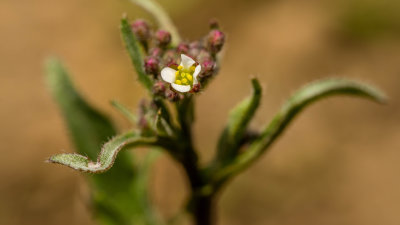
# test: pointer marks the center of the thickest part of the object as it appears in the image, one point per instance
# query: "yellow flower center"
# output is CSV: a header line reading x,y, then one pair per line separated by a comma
x,y
184,76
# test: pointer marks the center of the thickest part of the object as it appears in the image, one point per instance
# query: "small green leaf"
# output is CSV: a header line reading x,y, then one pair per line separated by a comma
x,y
106,157
163,20
165,113
290,109
239,118
135,53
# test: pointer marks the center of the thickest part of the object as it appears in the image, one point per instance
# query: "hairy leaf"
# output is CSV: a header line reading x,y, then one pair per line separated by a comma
x,y
106,157
162,18
290,109
238,120
88,128
135,53
112,195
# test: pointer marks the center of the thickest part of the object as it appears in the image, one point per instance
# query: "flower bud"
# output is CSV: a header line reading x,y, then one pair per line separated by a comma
x,y
194,48
159,88
207,68
163,38
141,29
216,40
213,23
142,123
169,57
182,48
203,55
172,95
156,52
151,65
196,88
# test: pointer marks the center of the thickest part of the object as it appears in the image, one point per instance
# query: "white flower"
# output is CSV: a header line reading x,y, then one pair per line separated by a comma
x,y
185,77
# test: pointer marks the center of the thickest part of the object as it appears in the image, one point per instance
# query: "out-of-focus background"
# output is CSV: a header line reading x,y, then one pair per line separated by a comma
x,y
338,163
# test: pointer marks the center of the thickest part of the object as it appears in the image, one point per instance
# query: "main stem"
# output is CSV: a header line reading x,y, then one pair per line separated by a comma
x,y
200,205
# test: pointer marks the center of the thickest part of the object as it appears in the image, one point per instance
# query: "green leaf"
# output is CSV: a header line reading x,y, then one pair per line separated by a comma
x,y
162,106
88,128
125,111
163,20
134,207
106,157
112,195
301,99
141,189
239,118
135,53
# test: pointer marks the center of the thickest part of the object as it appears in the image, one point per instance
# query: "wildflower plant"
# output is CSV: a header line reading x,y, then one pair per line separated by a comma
x,y
174,72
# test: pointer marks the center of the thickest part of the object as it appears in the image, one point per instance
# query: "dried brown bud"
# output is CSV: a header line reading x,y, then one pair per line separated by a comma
x,y
196,88
213,23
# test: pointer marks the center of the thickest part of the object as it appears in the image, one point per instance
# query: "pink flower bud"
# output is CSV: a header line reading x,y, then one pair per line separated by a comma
x,y
203,56
163,38
159,88
182,48
195,48
156,52
141,29
151,65
172,95
208,68
216,40
170,57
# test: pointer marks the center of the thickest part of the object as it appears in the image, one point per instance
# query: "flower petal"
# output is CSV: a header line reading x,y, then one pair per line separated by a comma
x,y
168,74
186,61
196,73
181,88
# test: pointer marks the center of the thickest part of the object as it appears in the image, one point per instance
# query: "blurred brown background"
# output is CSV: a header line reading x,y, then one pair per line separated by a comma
x,y
338,163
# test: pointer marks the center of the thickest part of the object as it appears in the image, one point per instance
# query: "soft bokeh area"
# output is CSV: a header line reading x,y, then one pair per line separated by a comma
x,y
338,163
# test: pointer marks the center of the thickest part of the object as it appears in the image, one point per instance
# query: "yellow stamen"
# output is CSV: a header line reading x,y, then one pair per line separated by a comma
x,y
180,67
177,73
189,77
193,68
178,82
183,75
184,80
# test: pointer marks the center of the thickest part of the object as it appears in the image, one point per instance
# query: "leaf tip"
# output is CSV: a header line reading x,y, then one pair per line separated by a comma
x,y
256,85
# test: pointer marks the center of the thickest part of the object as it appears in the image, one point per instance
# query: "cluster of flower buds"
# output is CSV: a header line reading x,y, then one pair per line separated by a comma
x,y
179,69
